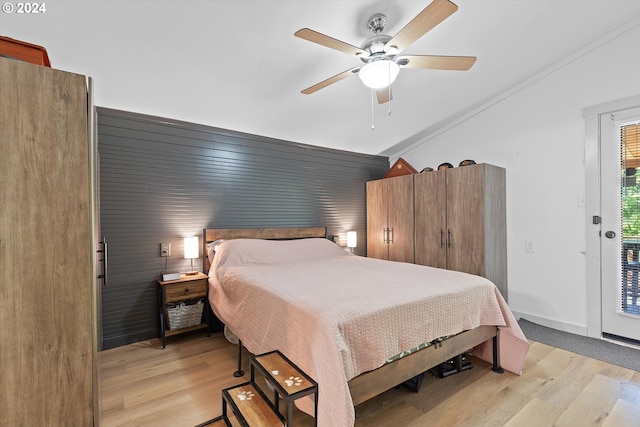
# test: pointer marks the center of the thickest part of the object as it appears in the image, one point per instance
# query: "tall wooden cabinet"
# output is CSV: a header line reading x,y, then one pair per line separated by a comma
x,y
453,218
460,221
47,277
390,219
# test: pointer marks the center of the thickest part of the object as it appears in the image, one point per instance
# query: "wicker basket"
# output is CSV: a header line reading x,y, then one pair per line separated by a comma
x,y
185,314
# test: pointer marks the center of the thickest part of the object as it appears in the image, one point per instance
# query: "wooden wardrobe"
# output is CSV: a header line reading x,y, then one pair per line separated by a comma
x,y
390,231
47,280
457,217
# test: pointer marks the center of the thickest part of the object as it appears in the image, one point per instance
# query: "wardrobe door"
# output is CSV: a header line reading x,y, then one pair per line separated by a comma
x,y
46,251
430,218
465,219
377,219
400,218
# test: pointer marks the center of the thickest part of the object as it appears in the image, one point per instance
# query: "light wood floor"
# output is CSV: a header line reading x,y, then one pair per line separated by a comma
x,y
143,385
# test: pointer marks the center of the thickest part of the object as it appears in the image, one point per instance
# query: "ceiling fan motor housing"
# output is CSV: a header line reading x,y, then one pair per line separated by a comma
x,y
376,23
374,46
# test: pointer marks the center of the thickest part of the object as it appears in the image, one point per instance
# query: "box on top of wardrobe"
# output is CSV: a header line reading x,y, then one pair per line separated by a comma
x,y
400,167
17,49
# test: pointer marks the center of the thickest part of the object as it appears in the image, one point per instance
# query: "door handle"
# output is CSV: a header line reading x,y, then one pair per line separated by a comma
x,y
610,234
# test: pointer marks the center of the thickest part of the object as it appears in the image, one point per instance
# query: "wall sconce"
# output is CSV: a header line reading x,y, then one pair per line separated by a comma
x,y
191,251
352,240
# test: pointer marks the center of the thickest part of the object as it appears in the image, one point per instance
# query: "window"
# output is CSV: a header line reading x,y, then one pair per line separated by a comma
x,y
630,192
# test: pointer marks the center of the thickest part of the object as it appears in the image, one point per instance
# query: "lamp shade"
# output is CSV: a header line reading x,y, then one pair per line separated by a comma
x,y
379,74
352,239
191,247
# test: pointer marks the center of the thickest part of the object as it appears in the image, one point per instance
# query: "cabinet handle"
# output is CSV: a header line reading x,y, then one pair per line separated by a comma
x,y
385,233
441,238
391,235
105,268
449,238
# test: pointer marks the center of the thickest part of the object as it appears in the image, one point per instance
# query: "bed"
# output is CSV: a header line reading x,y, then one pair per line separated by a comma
x,y
344,319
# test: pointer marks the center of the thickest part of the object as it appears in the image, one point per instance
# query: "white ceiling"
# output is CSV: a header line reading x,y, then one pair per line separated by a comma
x,y
235,64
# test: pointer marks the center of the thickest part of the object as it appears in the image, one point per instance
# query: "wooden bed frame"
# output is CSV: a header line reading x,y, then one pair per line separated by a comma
x,y
369,384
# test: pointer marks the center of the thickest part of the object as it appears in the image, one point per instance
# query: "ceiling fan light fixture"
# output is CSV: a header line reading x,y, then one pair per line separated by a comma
x,y
379,74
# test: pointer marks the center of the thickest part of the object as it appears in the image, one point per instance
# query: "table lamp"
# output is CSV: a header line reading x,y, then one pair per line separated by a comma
x,y
191,251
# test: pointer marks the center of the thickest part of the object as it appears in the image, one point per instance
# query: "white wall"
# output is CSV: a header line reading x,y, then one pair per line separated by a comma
x,y
538,134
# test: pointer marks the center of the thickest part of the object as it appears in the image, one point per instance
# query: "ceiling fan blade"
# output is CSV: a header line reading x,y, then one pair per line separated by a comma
x,y
384,95
321,39
432,15
331,80
435,62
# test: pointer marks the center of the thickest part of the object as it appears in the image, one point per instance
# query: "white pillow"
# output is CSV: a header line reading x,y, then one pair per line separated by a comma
x,y
240,252
212,248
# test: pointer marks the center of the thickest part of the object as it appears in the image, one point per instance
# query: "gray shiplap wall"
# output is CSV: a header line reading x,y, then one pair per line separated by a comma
x,y
163,180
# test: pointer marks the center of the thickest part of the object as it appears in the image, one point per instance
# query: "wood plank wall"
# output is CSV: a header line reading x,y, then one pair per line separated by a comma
x,y
162,180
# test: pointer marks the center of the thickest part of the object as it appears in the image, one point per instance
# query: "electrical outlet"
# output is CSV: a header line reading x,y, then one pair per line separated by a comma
x,y
165,249
530,246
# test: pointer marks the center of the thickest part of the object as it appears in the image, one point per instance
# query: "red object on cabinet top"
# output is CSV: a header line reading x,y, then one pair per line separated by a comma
x,y
399,168
16,49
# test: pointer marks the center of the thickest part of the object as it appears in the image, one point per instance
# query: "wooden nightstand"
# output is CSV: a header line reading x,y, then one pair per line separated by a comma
x,y
177,291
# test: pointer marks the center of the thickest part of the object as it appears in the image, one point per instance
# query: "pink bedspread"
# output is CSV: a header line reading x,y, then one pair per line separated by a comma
x,y
337,315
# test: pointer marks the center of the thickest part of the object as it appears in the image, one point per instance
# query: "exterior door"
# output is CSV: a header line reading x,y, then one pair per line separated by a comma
x,y
620,229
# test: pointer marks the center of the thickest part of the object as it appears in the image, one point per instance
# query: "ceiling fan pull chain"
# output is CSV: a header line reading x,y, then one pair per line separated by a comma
x,y
389,87
372,95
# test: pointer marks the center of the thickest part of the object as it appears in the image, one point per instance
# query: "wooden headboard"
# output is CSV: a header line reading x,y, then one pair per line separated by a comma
x,y
212,234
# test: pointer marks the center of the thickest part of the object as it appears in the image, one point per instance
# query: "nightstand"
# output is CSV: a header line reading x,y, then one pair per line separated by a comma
x,y
181,304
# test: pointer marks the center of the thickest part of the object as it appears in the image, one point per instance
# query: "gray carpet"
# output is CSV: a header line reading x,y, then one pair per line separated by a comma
x,y
591,347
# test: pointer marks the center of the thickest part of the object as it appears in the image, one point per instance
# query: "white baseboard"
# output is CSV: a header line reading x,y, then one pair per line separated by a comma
x,y
552,323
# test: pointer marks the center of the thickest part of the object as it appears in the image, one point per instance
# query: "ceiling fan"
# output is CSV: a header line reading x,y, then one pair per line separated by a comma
x,y
382,54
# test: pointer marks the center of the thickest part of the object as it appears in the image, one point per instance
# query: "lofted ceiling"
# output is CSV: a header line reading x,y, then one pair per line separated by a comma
x,y
236,64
